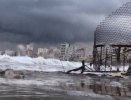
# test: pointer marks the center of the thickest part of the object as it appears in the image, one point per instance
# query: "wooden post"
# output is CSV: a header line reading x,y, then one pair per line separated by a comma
x,y
106,59
118,57
111,58
129,69
101,56
124,60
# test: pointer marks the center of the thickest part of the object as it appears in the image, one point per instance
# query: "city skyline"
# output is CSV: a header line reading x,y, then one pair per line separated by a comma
x,y
65,52
50,23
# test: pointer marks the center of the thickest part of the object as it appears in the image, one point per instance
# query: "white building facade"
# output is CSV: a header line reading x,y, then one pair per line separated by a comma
x,y
64,51
42,52
29,50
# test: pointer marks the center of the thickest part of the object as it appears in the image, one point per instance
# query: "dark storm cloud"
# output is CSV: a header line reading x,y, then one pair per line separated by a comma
x,y
52,21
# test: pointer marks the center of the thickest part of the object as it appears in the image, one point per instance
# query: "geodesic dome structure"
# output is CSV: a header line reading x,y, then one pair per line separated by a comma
x,y
113,37
115,29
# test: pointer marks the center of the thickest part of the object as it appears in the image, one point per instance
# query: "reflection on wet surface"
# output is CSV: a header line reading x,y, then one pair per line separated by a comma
x,y
60,86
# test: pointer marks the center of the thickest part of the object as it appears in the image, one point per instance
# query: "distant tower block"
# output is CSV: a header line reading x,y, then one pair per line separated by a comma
x,y
64,50
42,51
115,33
29,50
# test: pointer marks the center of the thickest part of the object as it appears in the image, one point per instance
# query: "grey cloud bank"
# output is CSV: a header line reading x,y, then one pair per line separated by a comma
x,y
52,21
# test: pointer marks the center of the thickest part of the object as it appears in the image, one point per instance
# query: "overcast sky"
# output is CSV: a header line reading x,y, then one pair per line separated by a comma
x,y
51,22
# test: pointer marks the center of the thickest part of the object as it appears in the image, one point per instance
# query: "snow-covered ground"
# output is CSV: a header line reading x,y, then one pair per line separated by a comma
x,y
41,64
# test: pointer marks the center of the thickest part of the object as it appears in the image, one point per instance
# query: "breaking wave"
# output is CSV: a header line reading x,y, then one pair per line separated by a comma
x,y
40,64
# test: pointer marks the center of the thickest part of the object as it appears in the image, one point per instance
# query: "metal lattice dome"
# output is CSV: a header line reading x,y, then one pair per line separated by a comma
x,y
115,29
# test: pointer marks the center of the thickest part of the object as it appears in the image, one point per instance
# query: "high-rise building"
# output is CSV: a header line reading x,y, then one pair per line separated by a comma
x,y
42,51
71,52
81,54
29,50
64,51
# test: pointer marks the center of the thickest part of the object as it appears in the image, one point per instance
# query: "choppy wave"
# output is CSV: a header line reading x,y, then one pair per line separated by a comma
x,y
40,64
35,64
